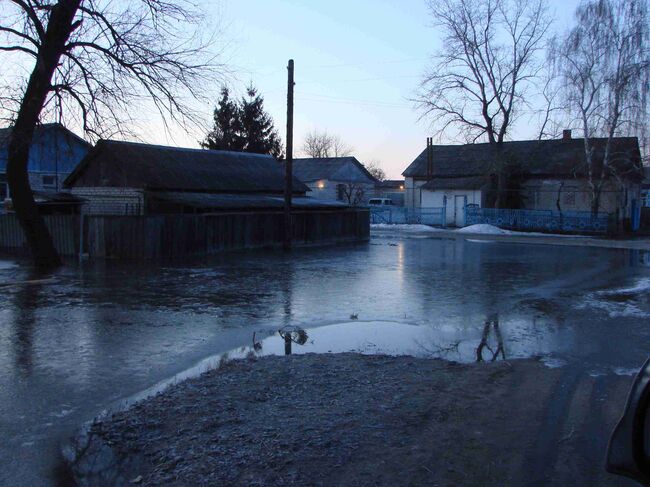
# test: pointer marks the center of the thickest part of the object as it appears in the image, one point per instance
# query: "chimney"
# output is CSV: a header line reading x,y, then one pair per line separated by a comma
x,y
566,135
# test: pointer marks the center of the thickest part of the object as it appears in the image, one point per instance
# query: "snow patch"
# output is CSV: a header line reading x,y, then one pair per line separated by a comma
x,y
484,229
404,227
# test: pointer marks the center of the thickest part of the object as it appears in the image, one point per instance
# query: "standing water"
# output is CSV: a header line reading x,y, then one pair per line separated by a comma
x,y
87,337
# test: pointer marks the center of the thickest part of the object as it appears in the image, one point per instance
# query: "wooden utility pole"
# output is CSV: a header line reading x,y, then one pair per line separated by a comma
x,y
429,158
288,176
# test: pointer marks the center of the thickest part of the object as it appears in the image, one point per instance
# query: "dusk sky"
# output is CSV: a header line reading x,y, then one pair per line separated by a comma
x,y
356,65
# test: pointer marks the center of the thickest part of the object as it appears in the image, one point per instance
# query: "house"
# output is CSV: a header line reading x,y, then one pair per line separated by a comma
x,y
336,178
539,174
122,178
392,189
54,153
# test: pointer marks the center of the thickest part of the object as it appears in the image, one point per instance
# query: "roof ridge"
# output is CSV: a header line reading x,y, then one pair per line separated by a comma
x,y
184,149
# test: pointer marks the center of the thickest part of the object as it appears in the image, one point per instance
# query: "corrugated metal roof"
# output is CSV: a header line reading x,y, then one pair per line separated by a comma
x,y
347,169
535,158
470,182
239,201
128,164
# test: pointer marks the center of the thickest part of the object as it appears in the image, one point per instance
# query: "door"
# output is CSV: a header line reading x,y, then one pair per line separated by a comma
x,y
459,209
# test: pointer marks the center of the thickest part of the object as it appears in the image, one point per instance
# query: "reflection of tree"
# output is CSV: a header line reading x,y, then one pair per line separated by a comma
x,y
292,334
26,302
492,324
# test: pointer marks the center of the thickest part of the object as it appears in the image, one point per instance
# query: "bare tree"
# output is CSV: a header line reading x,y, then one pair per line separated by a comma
x,y
490,57
321,144
352,192
374,168
604,68
93,63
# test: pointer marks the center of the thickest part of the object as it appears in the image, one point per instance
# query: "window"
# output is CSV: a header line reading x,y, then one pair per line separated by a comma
x,y
49,182
340,192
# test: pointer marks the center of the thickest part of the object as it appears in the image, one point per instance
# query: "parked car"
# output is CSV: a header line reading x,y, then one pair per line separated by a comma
x,y
628,450
380,202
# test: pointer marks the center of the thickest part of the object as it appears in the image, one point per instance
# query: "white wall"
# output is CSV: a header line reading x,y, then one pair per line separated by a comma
x,y
412,192
575,195
455,206
325,189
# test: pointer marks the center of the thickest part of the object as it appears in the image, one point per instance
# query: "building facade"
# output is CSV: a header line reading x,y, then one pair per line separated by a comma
x,y
53,155
127,178
537,175
342,179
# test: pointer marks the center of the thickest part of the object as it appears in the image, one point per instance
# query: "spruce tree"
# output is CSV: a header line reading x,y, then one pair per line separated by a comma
x,y
226,133
257,127
243,126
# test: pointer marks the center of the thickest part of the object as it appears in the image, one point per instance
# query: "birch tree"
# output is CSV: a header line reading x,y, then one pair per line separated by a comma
x,y
92,63
321,144
604,68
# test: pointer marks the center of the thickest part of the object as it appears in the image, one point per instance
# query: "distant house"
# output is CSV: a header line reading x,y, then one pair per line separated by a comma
x,y
119,178
392,189
343,179
544,175
54,153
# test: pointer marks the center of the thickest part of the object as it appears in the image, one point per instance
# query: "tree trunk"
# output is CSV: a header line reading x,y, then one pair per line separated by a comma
x,y
59,28
595,202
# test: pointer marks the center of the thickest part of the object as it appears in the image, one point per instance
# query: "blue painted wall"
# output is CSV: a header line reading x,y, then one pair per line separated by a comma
x,y
55,150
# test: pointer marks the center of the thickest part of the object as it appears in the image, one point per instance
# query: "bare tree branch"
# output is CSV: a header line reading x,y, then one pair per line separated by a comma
x,y
490,58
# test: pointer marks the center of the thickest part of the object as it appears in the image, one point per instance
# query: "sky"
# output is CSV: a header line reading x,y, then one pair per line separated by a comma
x,y
357,63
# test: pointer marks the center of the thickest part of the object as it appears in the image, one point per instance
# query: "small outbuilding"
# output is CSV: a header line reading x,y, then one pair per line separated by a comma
x,y
127,178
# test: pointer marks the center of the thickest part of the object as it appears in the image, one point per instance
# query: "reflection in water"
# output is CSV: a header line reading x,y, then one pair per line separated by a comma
x,y
292,334
26,303
108,330
491,325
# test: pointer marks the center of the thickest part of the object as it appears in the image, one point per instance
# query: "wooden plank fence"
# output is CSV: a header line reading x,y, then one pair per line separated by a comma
x,y
176,236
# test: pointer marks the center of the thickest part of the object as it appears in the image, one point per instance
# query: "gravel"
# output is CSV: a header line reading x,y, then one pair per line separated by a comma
x,y
331,419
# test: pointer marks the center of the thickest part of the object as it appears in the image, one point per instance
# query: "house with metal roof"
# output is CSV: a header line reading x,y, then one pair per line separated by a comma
x,y
53,155
342,179
539,174
120,178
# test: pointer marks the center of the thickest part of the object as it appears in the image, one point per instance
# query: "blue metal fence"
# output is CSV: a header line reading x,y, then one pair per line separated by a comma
x,y
401,214
542,220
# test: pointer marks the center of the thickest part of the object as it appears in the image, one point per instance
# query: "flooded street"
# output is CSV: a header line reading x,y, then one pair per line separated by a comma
x,y
88,337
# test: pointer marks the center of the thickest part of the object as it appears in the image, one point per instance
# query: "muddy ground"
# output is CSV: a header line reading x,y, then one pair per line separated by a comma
x,y
357,420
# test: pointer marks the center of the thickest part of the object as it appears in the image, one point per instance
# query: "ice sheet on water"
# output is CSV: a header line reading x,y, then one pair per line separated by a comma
x,y
626,371
7,264
641,285
553,362
620,302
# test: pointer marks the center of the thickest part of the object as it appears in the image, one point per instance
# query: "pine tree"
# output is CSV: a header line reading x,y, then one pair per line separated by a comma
x,y
257,127
226,133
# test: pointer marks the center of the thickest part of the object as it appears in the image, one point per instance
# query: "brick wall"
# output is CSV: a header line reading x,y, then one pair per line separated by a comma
x,y
111,201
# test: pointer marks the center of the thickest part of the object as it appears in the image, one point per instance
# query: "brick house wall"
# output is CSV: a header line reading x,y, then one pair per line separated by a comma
x,y
110,201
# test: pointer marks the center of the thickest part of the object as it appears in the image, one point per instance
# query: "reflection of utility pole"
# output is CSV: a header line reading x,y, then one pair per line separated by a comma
x,y
289,164
491,324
